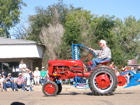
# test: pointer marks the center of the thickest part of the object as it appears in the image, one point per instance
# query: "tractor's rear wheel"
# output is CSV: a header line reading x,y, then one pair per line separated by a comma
x,y
50,88
103,81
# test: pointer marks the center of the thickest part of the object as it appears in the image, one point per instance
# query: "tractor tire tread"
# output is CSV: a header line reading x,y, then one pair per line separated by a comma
x,y
94,90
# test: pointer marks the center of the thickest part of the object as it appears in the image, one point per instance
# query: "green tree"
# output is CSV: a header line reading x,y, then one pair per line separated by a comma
x,y
47,27
127,40
77,28
82,27
46,16
10,11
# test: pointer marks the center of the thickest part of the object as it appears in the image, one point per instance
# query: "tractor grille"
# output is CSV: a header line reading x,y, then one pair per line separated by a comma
x,y
77,68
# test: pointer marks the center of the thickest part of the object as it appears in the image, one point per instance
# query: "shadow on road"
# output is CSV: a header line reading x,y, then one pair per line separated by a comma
x,y
125,93
88,94
91,94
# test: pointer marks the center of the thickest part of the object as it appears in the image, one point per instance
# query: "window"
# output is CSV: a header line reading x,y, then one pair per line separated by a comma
x,y
9,66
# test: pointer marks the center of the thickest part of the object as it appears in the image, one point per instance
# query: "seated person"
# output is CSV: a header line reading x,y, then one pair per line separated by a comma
x,y
138,70
43,75
20,82
22,66
1,82
8,82
28,81
4,74
104,54
36,76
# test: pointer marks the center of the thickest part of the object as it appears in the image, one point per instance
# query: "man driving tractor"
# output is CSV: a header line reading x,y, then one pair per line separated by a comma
x,y
102,80
104,54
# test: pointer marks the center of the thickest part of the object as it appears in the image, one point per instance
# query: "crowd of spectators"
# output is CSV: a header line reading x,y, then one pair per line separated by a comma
x,y
25,80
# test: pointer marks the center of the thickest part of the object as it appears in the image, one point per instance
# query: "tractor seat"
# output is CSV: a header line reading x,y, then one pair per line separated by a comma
x,y
104,62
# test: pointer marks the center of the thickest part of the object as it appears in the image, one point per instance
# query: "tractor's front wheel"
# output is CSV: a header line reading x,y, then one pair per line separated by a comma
x,y
50,88
59,88
103,81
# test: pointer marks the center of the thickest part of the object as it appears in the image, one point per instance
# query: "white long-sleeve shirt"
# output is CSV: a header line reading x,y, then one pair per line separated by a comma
x,y
103,53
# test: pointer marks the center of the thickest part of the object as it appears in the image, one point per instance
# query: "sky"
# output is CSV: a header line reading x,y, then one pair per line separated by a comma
x,y
119,8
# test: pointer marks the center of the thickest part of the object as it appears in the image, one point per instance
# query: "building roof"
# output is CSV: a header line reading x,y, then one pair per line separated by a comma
x,y
8,41
18,48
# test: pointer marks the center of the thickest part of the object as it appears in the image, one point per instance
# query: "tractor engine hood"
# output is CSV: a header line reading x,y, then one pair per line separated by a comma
x,y
65,62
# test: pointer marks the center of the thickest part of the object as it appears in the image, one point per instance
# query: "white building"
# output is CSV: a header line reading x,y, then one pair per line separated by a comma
x,y
12,51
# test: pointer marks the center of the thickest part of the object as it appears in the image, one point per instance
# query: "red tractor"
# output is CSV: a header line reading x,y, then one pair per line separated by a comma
x,y
102,80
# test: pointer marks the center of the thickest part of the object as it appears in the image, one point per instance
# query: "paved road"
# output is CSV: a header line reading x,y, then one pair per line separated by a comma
x,y
72,96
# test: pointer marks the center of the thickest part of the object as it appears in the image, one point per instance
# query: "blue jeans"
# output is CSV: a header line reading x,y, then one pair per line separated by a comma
x,y
7,85
96,61
42,81
20,86
78,79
